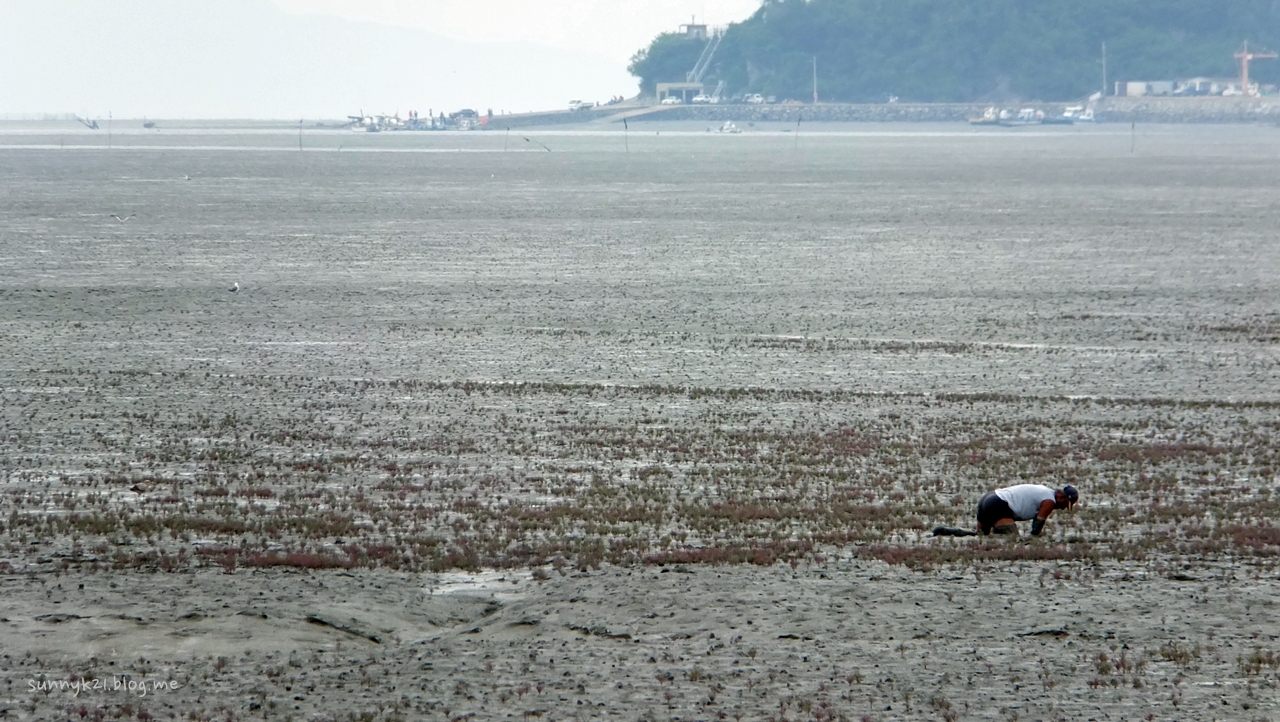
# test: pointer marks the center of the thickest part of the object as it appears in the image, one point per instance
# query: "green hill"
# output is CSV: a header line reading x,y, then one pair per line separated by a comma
x,y
970,50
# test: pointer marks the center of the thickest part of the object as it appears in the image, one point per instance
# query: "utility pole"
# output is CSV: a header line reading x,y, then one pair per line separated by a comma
x,y
815,80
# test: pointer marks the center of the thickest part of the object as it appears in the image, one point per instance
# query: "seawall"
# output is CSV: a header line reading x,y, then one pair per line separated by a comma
x,y
1188,110
1106,110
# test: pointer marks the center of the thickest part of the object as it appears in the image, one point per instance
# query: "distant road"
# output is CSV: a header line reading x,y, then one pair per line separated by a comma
x,y
552,117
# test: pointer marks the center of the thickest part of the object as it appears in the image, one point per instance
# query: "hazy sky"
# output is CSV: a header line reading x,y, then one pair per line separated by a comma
x,y
325,58
612,29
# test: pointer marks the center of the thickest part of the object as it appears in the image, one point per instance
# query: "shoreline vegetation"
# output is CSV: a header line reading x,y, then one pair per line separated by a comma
x,y
255,488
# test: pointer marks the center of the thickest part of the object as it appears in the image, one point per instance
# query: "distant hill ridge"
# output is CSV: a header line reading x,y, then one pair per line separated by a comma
x,y
969,50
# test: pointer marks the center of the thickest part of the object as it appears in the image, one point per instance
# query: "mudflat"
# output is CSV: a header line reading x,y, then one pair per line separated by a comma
x,y
642,427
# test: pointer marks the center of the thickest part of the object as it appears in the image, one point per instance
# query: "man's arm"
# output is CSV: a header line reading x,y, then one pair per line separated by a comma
x,y
1046,508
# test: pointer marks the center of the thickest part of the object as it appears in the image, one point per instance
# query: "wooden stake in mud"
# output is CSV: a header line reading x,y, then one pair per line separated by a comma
x,y
300,134
506,139
797,143
626,142
1133,136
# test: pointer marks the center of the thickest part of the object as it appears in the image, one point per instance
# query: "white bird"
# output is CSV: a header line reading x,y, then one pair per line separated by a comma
x,y
234,287
122,220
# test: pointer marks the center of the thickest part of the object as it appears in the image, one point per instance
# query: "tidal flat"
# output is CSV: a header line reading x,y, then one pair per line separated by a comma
x,y
650,425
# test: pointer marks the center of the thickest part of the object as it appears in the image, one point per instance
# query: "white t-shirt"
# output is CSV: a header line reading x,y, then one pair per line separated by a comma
x,y
1025,499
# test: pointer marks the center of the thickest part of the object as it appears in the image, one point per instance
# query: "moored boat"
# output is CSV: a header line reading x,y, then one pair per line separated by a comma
x,y
989,117
1026,116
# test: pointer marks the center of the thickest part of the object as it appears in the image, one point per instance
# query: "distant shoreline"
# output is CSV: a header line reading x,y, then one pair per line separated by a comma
x,y
1106,110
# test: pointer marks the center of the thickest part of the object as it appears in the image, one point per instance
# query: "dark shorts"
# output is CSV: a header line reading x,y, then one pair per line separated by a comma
x,y
992,509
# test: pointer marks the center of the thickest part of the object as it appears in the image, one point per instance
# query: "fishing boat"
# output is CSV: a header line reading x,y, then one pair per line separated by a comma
x,y
1026,116
1086,116
1078,114
990,116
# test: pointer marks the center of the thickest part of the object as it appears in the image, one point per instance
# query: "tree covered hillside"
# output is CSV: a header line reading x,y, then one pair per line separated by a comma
x,y
970,50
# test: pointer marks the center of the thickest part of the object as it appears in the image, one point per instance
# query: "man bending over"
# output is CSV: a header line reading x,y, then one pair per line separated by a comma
x,y
999,510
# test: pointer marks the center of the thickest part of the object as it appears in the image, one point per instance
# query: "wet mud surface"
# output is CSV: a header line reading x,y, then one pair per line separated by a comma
x,y
468,413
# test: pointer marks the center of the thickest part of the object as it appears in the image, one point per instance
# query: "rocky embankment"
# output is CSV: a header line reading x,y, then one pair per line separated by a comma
x,y
835,113
1113,110
1125,110
1188,110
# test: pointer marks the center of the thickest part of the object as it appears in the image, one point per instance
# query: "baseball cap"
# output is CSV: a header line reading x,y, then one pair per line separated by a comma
x,y
1072,495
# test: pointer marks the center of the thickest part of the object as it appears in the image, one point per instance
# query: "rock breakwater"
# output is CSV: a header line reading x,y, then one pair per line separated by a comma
x,y
1107,110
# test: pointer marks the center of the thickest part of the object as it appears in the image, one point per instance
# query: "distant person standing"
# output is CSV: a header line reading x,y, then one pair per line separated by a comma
x,y
1000,510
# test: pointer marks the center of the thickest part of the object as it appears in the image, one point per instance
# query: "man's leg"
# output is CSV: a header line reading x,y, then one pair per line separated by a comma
x,y
990,507
1006,526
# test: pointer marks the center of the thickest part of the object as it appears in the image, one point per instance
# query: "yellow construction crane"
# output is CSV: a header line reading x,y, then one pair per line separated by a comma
x,y
1244,55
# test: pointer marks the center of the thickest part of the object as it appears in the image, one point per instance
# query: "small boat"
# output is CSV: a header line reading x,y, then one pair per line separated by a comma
x,y
1026,116
989,117
1078,114
729,127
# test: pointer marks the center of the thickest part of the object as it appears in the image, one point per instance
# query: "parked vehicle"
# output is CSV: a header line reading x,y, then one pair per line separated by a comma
x,y
701,99
754,99
672,100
